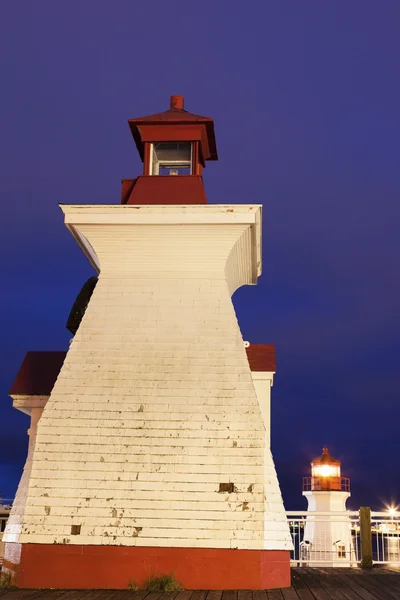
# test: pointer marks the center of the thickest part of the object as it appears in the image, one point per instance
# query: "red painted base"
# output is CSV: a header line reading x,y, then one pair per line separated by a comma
x,y
113,567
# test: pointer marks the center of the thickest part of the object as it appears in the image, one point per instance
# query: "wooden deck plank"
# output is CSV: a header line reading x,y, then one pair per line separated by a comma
x,y
83,595
342,586
153,596
245,595
393,581
320,576
352,582
22,594
312,584
184,595
229,595
139,595
199,595
168,596
214,595
51,594
117,595
259,595
90,594
298,584
105,594
378,582
71,595
309,583
289,594
15,594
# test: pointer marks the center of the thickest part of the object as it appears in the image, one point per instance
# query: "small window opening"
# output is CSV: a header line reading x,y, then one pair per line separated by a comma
x,y
226,487
341,551
75,529
171,158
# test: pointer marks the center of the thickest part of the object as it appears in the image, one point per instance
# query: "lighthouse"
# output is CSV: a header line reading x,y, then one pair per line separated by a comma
x,y
151,452
327,536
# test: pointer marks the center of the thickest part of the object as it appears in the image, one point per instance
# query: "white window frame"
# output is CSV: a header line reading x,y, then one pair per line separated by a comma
x,y
171,162
341,549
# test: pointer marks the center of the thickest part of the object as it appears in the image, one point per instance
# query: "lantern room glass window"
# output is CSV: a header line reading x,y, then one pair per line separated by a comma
x,y
325,470
171,158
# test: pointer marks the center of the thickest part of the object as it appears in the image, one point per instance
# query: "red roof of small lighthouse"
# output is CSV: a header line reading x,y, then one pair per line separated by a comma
x,y
325,459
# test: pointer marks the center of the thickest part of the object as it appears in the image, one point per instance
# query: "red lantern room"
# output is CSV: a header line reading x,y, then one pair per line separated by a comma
x,y
174,146
325,475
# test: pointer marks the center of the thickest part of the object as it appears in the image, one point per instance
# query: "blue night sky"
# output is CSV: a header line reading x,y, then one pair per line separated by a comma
x,y
305,97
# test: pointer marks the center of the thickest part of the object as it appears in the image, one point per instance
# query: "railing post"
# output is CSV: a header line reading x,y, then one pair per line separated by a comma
x,y
366,537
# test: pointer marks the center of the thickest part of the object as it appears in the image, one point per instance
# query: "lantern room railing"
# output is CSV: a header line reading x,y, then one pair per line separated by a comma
x,y
326,484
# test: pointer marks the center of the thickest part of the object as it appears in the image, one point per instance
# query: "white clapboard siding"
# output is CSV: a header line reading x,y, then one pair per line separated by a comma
x,y
155,405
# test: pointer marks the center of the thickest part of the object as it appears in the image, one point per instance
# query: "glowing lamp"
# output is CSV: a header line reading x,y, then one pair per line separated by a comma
x,y
325,466
325,475
326,471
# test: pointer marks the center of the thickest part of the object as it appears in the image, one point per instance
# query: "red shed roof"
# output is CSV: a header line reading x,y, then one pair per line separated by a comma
x,y
261,357
37,374
39,370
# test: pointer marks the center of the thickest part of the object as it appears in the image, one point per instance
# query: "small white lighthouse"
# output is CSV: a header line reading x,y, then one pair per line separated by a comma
x,y
327,536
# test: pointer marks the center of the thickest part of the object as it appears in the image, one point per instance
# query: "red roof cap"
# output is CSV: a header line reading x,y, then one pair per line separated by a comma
x,y
175,115
325,458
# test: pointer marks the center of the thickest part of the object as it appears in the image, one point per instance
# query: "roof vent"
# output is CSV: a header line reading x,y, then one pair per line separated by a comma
x,y
177,102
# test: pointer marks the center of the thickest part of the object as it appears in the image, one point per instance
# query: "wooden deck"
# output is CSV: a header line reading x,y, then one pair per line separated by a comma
x,y
307,584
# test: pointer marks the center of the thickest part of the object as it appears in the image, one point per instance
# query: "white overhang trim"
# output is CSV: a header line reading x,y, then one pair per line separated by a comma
x,y
263,376
86,247
25,403
173,214
77,215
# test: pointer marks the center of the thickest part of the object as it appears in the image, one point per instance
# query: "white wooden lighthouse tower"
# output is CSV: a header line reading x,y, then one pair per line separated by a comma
x,y
152,454
327,535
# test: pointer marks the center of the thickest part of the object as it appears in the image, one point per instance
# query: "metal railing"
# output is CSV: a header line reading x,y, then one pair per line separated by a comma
x,y
4,513
325,538
3,521
336,539
5,508
328,484
385,530
344,539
